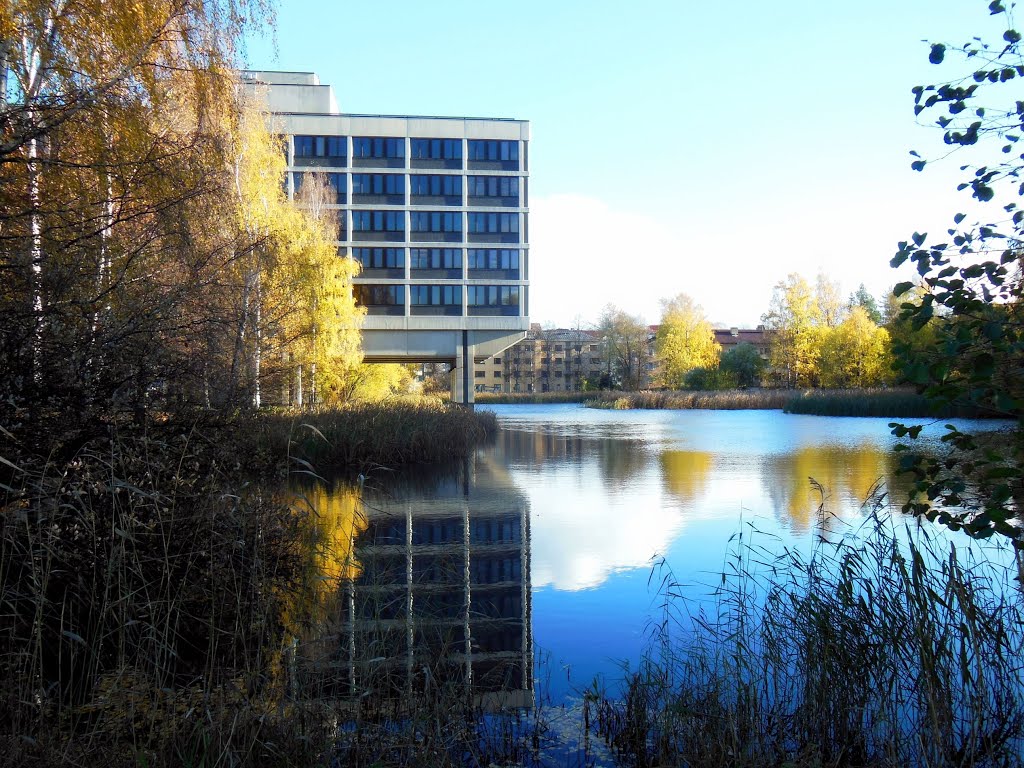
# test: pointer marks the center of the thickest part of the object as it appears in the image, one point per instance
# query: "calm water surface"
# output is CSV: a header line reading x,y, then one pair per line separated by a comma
x,y
562,518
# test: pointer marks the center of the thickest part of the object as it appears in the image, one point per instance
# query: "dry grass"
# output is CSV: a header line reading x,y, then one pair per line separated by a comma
x,y
873,653
377,434
891,403
725,399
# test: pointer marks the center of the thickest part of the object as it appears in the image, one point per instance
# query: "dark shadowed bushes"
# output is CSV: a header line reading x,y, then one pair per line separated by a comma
x,y
140,607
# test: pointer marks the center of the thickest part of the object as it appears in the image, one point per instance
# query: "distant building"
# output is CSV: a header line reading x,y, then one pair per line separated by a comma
x,y
551,360
729,338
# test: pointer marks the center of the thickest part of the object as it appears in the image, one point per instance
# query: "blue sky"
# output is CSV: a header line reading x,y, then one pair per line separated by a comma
x,y
705,148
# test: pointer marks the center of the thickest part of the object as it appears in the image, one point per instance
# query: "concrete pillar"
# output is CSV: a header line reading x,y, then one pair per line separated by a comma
x,y
462,375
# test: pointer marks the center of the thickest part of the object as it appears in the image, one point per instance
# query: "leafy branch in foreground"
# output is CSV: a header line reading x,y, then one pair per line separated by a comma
x,y
970,295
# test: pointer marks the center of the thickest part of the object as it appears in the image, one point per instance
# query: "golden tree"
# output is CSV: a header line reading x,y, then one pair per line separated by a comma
x,y
684,341
855,353
794,322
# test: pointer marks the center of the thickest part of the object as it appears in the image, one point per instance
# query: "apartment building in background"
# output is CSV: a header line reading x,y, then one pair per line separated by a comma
x,y
571,360
435,209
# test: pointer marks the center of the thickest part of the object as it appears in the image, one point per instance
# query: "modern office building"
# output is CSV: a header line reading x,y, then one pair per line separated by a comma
x,y
434,208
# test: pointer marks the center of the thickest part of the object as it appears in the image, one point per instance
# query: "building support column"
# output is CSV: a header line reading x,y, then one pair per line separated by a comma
x,y
462,376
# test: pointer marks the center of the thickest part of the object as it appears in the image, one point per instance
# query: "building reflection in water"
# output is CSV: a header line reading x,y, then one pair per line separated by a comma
x,y
442,598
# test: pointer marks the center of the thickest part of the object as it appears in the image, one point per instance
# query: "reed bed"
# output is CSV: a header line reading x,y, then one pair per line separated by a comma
x,y
893,403
151,605
887,650
141,605
725,399
383,434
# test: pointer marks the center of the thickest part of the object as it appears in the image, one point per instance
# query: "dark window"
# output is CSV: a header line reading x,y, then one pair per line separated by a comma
x,y
494,151
436,221
435,185
335,181
380,258
378,221
377,147
494,258
435,258
493,186
479,374
379,295
493,295
378,184
435,295
493,223
436,149
320,146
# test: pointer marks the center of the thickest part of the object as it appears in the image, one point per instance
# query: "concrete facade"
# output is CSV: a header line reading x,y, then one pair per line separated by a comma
x,y
434,208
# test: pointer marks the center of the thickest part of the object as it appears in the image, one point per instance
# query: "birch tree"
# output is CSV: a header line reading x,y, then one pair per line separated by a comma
x,y
684,341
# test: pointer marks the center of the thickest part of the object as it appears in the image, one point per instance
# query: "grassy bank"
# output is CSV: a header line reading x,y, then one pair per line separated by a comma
x,y
891,403
725,399
870,653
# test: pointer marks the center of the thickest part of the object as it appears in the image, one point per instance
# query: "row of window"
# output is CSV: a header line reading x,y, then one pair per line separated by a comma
x,y
490,223
493,186
493,258
419,184
492,150
480,150
435,295
435,258
434,221
476,295
320,146
378,148
502,530
438,258
378,184
436,149
335,183
449,186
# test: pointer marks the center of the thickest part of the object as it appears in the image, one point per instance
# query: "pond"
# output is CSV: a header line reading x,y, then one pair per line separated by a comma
x,y
550,544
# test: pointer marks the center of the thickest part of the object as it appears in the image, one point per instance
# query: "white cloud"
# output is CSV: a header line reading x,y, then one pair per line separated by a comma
x,y
582,532
586,253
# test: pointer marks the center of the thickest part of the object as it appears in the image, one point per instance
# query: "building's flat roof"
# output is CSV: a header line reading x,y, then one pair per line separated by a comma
x,y
403,117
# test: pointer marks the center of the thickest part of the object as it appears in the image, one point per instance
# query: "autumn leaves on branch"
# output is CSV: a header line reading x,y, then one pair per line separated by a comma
x,y
146,243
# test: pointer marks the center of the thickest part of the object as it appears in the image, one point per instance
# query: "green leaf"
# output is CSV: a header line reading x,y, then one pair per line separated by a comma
x,y
1011,36
937,53
900,288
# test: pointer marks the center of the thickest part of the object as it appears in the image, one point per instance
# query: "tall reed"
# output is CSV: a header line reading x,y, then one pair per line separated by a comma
x,y
725,399
893,403
890,649
387,434
141,594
